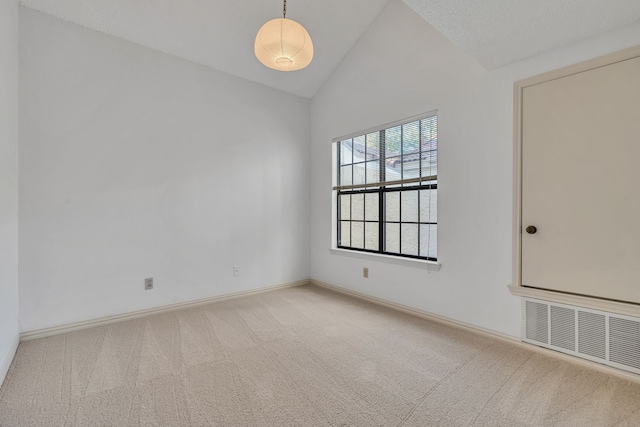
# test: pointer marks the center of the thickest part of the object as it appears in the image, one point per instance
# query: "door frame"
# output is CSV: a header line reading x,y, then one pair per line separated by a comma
x,y
516,287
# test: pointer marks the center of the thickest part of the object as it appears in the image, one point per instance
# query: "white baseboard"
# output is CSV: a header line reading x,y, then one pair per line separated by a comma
x,y
629,376
55,330
417,312
6,363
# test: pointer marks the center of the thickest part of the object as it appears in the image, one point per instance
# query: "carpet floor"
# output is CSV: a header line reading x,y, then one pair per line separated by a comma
x,y
302,356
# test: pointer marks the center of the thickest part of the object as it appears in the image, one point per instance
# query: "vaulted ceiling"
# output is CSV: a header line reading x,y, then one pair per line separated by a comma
x,y
500,32
220,33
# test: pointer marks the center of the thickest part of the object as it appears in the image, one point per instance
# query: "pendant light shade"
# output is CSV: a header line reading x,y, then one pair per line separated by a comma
x,y
284,45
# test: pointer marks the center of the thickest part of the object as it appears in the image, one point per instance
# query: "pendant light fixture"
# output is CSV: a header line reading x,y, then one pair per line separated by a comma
x,y
283,44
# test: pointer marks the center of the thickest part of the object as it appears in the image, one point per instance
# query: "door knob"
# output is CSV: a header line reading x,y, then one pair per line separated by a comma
x,y
531,229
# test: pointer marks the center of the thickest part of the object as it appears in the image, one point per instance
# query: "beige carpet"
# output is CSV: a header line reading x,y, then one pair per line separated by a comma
x,y
300,357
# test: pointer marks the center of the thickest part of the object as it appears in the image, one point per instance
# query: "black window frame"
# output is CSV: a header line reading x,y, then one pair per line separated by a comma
x,y
384,188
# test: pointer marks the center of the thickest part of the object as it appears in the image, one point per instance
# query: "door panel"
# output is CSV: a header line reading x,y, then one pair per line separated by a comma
x,y
581,183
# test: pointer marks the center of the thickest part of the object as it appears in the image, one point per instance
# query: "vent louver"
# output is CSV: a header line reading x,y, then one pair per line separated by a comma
x,y
602,337
592,335
537,322
624,342
563,327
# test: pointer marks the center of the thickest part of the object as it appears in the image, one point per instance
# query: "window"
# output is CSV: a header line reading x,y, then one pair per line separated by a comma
x,y
387,190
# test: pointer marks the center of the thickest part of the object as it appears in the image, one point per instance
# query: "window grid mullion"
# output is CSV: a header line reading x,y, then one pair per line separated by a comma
x,y
350,219
402,152
352,172
419,223
420,191
339,200
382,150
364,220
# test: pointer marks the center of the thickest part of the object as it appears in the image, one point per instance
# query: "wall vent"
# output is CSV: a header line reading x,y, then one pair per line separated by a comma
x,y
563,327
537,322
592,334
624,341
599,336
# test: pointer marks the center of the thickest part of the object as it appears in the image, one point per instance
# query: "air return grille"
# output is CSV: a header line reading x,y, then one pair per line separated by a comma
x,y
563,327
537,322
624,341
590,334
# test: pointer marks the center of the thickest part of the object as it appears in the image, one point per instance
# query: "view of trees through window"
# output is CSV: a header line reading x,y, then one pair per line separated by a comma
x,y
387,190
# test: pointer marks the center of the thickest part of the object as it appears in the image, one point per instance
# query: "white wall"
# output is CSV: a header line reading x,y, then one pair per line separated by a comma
x,y
402,67
138,164
8,183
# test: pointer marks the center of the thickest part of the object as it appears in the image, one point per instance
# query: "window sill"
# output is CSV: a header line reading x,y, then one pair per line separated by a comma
x,y
408,262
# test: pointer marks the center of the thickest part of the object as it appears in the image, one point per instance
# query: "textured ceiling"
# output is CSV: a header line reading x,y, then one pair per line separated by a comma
x,y
499,32
221,33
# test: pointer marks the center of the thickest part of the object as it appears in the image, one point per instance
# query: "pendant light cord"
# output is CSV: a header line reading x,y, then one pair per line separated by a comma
x,y
284,9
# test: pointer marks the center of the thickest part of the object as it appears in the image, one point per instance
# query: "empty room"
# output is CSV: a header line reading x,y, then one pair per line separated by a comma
x,y
319,213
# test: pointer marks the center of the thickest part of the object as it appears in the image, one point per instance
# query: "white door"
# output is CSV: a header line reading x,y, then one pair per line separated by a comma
x,y
581,183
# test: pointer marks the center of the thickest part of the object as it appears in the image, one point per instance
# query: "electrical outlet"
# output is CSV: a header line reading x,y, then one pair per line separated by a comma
x,y
148,283
365,273
236,271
